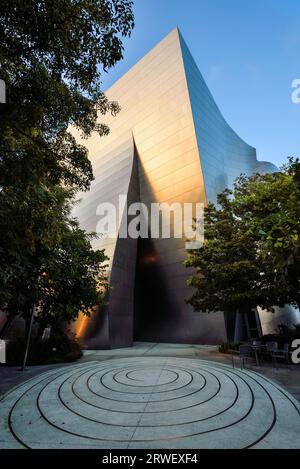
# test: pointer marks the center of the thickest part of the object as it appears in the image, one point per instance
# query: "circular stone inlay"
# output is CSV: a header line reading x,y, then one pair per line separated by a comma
x,y
149,402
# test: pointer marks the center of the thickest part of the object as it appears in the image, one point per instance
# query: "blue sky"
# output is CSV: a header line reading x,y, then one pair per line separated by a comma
x,y
248,52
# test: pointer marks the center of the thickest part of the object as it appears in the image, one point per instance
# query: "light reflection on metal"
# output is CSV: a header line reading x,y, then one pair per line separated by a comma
x,y
81,326
169,143
149,260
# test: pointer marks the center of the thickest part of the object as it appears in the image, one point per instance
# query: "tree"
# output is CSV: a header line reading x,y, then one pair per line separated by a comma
x,y
52,55
250,256
229,276
74,279
31,223
269,205
46,259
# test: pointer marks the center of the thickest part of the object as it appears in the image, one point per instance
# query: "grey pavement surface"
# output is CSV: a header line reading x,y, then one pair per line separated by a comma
x,y
150,396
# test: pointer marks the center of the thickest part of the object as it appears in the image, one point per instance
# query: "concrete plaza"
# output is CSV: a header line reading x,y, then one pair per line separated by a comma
x,y
150,396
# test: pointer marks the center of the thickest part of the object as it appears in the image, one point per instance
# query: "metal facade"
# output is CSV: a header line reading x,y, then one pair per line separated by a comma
x,y
169,143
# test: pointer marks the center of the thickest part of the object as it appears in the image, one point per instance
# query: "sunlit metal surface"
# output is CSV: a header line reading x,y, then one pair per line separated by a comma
x,y
169,143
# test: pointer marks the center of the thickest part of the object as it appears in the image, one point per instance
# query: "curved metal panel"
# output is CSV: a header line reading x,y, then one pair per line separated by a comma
x,y
169,143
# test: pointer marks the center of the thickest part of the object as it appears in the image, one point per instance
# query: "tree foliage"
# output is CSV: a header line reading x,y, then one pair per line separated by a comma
x,y
74,279
250,256
46,258
270,207
52,55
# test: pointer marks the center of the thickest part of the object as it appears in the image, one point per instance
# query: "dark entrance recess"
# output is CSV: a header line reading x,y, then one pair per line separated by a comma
x,y
151,302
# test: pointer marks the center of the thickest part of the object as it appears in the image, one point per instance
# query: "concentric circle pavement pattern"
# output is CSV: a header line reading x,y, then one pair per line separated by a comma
x,y
149,402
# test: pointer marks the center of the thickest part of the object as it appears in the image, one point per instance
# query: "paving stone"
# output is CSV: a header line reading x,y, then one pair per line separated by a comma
x,y
145,402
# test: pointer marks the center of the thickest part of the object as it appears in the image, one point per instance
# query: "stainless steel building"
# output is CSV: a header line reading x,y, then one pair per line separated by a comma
x,y
169,143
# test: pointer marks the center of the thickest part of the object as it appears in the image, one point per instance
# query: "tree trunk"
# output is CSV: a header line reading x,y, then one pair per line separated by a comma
x,y
27,325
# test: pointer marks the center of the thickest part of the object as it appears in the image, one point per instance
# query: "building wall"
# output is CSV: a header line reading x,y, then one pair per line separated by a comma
x,y
270,321
169,143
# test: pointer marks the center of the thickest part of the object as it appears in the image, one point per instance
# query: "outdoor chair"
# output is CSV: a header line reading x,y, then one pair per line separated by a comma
x,y
245,353
257,347
270,349
282,353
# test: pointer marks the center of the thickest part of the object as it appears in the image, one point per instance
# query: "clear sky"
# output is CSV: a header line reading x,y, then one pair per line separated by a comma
x,y
248,52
